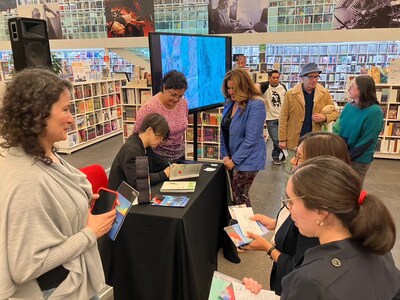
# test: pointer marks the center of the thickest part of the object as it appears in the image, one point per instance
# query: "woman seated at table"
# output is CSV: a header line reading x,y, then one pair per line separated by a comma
x,y
153,131
287,247
170,102
355,229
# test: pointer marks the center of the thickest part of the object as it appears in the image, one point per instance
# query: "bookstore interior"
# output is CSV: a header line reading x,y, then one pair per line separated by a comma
x,y
103,47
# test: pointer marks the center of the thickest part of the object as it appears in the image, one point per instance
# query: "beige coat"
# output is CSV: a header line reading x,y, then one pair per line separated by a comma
x,y
292,113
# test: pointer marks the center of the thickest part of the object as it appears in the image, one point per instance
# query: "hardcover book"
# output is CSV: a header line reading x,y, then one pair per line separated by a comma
x,y
178,187
126,197
182,171
170,201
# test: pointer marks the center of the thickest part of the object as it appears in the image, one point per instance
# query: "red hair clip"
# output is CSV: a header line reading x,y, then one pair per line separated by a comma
x,y
361,199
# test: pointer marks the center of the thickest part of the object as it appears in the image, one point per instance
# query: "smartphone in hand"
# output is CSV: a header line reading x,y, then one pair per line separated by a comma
x,y
106,202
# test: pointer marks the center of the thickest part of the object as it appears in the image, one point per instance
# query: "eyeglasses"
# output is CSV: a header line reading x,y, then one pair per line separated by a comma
x,y
298,158
312,77
175,95
288,201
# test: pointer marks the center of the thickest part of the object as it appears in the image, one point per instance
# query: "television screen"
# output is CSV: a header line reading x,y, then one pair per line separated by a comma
x,y
203,59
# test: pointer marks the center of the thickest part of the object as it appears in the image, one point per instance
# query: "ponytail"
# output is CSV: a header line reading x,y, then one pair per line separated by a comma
x,y
373,227
329,184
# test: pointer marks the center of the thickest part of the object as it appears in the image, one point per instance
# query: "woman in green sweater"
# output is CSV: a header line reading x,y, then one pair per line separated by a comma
x,y
361,122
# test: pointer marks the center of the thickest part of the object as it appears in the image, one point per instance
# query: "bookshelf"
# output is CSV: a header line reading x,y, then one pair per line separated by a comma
x,y
82,19
97,113
388,145
208,136
182,17
337,60
4,16
133,97
301,15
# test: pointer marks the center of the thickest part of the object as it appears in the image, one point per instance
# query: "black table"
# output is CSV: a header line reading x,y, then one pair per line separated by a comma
x,y
171,253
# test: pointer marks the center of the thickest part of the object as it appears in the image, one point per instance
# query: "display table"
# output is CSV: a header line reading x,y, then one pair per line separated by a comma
x,y
168,252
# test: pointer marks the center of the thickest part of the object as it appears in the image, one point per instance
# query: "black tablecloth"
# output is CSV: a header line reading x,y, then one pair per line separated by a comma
x,y
171,253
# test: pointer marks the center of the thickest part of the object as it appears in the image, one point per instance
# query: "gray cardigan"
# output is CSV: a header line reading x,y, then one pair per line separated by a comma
x,y
43,214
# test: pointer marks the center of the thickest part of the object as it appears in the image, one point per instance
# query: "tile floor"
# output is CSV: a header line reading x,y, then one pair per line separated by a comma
x,y
382,180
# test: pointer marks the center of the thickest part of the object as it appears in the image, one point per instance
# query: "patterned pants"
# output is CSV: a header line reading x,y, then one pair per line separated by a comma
x,y
241,183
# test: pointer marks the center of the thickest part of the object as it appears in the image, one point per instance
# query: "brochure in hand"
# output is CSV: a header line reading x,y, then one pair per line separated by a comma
x,y
178,187
170,201
183,171
237,232
126,196
229,288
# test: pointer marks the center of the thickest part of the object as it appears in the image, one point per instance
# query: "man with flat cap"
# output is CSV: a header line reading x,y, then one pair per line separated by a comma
x,y
301,111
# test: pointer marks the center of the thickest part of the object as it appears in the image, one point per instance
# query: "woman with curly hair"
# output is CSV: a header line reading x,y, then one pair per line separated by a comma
x,y
242,142
49,237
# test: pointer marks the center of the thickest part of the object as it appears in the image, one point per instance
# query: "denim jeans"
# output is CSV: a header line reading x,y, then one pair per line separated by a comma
x,y
272,126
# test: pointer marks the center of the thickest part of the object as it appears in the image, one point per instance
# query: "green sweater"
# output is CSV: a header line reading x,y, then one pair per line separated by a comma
x,y
360,129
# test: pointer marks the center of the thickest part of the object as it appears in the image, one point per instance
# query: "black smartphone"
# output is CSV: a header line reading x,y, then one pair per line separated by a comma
x,y
106,202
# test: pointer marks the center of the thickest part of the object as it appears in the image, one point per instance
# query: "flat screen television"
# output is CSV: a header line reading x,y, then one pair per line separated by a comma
x,y
203,59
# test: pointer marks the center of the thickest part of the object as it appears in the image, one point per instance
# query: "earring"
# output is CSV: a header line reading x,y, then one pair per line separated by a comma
x,y
320,223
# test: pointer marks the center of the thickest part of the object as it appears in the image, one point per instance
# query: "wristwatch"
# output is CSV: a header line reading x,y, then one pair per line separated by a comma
x,y
269,252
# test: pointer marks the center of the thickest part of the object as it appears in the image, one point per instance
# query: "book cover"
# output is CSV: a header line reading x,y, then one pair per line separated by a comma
x,y
225,287
236,235
392,112
396,129
393,95
182,171
178,187
170,201
126,197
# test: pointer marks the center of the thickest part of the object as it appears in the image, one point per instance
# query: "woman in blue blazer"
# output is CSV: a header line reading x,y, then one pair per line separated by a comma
x,y
242,142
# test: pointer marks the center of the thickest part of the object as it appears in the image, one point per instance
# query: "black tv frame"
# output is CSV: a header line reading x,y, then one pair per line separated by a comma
x,y
155,60
156,74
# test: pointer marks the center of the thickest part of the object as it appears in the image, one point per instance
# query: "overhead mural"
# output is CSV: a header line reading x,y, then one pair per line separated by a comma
x,y
129,18
238,16
356,14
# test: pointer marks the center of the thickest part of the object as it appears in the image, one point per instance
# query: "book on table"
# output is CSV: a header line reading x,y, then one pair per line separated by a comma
x,y
170,201
178,187
183,171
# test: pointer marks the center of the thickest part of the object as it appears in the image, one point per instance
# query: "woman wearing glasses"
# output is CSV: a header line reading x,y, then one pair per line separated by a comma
x,y
355,230
170,102
287,247
361,122
242,142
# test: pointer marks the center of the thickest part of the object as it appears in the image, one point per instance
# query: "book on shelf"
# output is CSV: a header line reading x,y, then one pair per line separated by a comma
x,y
73,139
393,95
211,151
385,95
189,134
183,171
170,201
384,110
396,129
384,146
378,145
389,129
145,96
392,112
178,187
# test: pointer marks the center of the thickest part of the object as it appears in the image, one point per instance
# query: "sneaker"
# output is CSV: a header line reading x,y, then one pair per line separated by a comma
x,y
276,161
283,160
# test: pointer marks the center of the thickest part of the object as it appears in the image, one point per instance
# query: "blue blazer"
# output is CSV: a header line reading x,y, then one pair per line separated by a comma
x,y
246,141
